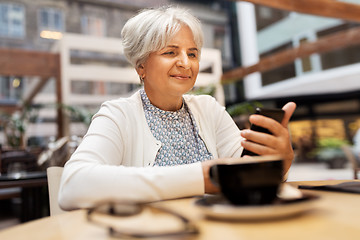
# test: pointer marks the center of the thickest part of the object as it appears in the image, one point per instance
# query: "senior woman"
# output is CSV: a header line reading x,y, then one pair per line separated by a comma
x,y
159,143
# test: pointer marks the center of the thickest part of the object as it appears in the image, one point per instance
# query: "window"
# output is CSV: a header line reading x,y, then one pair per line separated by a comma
x,y
12,18
306,64
94,26
51,23
11,88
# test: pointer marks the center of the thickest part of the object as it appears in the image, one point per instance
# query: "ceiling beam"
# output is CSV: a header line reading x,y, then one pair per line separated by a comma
x,y
16,62
9,108
325,44
324,8
34,91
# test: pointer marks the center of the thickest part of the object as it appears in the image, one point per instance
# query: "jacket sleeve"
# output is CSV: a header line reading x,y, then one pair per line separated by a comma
x,y
228,138
85,184
95,172
220,132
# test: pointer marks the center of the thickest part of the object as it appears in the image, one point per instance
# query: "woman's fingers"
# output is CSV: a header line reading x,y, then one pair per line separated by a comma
x,y
277,143
271,124
258,137
268,123
257,148
289,109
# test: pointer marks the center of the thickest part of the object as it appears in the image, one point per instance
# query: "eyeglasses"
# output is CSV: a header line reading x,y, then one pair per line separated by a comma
x,y
140,220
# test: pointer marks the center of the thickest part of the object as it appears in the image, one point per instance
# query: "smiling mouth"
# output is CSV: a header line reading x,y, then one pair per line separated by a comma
x,y
180,76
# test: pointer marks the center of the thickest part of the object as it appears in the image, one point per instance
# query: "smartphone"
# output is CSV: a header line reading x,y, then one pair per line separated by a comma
x,y
273,113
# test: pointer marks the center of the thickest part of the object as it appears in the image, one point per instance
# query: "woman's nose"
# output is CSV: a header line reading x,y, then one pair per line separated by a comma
x,y
183,61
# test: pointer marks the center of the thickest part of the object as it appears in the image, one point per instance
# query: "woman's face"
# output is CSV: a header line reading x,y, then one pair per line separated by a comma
x,y
171,72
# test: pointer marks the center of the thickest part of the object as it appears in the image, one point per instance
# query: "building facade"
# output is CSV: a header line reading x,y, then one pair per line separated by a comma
x,y
41,25
325,85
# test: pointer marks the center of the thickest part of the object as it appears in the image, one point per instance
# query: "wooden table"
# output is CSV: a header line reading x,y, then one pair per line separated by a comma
x,y
335,216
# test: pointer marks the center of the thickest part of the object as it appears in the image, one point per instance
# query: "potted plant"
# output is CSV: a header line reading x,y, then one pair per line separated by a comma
x,y
14,126
329,151
240,113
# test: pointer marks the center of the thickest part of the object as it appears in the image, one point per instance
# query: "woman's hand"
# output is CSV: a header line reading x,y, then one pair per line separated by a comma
x,y
209,186
266,144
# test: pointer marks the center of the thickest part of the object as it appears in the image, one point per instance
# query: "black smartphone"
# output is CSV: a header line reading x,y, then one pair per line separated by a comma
x,y
274,113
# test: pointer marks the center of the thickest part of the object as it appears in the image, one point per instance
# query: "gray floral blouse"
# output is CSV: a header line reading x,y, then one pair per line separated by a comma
x,y
178,134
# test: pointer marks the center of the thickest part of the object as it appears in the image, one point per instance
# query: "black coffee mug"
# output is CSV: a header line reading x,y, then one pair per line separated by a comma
x,y
255,181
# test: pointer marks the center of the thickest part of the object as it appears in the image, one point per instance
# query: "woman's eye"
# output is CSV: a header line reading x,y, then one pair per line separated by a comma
x,y
169,53
193,55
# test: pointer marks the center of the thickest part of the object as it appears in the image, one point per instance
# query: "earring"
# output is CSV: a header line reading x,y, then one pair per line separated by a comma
x,y
142,78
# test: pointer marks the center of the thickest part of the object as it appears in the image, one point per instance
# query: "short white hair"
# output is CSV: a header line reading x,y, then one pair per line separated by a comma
x,y
151,29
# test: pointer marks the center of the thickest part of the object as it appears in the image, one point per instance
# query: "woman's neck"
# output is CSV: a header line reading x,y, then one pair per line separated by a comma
x,y
169,103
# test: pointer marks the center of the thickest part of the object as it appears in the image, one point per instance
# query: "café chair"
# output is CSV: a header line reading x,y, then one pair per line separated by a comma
x,y
349,154
9,193
19,158
11,161
56,154
54,176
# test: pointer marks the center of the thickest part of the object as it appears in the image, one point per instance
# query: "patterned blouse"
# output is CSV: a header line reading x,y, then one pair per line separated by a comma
x,y
178,134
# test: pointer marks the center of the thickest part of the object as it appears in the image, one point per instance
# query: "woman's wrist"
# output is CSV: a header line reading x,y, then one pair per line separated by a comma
x,y
209,187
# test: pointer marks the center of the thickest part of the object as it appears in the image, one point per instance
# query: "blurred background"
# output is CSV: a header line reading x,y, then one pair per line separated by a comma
x,y
60,59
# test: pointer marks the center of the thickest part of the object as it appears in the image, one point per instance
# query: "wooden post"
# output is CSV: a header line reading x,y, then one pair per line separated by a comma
x,y
60,110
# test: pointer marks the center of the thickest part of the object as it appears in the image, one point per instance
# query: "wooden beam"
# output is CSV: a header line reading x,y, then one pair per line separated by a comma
x,y
35,91
59,100
9,109
324,8
18,62
325,44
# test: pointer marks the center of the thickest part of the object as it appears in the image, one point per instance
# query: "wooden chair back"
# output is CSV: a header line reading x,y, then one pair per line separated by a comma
x,y
352,159
54,177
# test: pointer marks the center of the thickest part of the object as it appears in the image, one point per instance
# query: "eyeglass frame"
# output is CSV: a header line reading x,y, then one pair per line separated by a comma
x,y
189,227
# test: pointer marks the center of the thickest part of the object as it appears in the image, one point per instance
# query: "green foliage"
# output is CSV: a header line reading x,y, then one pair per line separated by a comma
x,y
243,108
329,149
79,113
331,143
208,90
15,124
234,110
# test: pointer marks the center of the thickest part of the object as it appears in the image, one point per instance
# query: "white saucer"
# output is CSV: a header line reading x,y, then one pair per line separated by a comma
x,y
216,206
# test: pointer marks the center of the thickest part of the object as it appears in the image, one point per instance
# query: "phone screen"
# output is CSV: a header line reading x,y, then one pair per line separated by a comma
x,y
273,113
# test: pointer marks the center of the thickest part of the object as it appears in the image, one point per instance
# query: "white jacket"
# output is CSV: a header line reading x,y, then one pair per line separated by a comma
x,y
112,162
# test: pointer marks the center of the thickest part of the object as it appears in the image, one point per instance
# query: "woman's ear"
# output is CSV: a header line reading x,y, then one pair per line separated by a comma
x,y
140,70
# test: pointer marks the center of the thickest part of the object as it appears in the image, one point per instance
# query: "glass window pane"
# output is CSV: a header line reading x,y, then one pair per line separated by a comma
x,y
12,20
17,9
3,14
44,19
57,21
94,26
51,19
3,20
